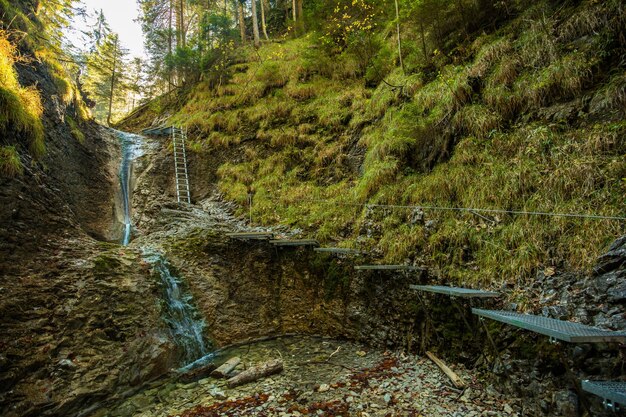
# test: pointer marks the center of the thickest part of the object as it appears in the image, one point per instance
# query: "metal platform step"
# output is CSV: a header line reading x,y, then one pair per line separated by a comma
x,y
251,235
558,329
294,242
612,392
455,291
157,131
341,251
388,268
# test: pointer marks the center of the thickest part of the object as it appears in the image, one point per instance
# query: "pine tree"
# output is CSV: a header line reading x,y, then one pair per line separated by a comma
x,y
105,79
135,85
99,30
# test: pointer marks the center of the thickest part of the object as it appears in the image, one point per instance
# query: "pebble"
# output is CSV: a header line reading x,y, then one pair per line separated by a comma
x,y
371,385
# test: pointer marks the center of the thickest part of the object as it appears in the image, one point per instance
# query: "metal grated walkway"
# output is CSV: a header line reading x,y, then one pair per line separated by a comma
x,y
387,268
294,242
558,329
455,291
611,392
183,193
341,251
251,235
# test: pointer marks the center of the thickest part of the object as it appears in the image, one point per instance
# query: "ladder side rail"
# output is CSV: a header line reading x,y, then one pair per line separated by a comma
x,y
176,164
184,148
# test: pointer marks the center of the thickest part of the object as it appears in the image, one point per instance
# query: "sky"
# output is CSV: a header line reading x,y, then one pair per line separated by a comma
x,y
121,15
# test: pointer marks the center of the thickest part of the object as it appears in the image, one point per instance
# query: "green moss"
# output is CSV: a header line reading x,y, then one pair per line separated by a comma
x,y
64,87
75,129
106,264
15,115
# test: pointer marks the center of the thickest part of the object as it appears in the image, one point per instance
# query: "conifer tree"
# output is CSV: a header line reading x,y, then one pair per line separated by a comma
x,y
105,80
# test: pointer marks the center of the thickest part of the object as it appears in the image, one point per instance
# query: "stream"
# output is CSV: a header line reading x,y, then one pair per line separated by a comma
x,y
183,319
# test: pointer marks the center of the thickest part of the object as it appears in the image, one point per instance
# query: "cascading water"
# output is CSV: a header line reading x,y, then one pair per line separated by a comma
x,y
131,149
186,325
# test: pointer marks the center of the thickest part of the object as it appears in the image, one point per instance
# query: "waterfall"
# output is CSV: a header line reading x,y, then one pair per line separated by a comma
x,y
186,325
183,319
131,145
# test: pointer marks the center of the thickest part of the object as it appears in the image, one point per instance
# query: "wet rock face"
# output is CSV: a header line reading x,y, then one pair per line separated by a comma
x,y
76,315
70,188
79,331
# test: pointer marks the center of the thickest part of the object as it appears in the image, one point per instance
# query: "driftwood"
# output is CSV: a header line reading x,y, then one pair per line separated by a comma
x,y
198,373
456,380
226,368
257,372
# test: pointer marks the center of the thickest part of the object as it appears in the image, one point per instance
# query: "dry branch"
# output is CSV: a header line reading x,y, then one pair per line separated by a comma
x,y
456,380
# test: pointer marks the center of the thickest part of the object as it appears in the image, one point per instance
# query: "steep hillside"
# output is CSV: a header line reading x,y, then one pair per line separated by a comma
x,y
525,115
47,142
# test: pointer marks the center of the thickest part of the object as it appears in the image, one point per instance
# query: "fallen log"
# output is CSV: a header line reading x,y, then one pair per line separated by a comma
x,y
257,372
226,368
456,380
198,373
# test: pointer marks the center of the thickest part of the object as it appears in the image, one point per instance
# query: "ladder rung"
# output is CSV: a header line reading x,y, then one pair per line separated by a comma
x,y
180,166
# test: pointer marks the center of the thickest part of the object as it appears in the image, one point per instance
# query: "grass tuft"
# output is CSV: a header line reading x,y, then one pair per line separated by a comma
x,y
476,120
20,107
10,163
611,96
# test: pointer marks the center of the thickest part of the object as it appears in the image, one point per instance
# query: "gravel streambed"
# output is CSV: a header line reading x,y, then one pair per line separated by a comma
x,y
324,377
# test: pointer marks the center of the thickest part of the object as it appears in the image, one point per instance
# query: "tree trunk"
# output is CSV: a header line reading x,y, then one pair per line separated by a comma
x,y
293,9
178,29
257,372
398,32
226,368
183,31
242,23
255,25
300,15
113,74
169,43
198,373
263,24
456,380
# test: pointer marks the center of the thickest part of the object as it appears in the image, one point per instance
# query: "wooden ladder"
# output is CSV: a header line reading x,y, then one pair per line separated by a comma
x,y
179,137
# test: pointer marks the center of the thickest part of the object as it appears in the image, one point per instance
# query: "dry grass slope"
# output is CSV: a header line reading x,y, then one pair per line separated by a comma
x,y
506,127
